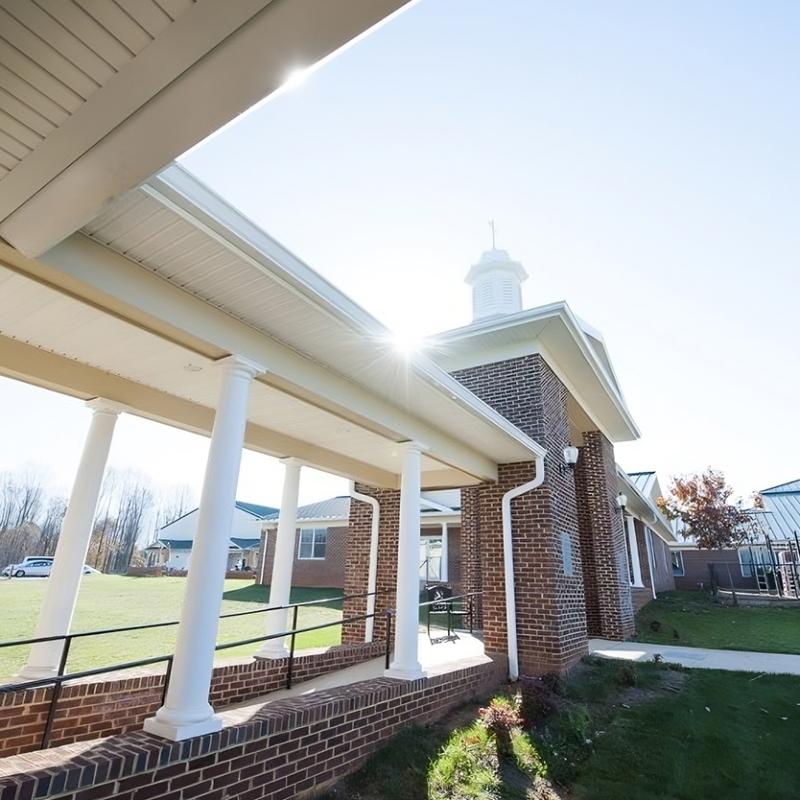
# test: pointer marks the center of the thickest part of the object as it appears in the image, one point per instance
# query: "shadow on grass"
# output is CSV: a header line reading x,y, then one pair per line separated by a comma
x,y
255,593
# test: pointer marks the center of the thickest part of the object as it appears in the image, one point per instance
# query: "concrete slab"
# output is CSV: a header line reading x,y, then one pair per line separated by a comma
x,y
698,657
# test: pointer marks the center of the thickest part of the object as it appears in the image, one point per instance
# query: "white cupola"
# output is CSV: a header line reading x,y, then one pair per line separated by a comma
x,y
496,283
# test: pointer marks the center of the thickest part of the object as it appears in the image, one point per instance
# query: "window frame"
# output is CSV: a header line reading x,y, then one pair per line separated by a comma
x,y
757,550
315,531
682,572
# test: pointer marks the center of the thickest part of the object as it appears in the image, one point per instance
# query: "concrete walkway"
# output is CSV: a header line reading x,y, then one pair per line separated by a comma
x,y
698,657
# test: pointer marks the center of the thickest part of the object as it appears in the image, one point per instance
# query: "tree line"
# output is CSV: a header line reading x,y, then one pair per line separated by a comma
x,y
129,513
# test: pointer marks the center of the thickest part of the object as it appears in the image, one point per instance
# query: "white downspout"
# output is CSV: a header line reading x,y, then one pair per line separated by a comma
x,y
508,565
372,578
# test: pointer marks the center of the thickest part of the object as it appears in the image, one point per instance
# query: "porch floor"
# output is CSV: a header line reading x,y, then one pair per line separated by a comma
x,y
435,659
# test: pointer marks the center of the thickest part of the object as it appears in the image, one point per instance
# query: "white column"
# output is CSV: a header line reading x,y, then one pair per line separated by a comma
x,y
405,662
187,711
445,565
636,566
55,616
280,586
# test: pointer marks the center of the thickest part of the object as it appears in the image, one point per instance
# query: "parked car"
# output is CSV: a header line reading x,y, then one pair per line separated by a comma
x,y
38,567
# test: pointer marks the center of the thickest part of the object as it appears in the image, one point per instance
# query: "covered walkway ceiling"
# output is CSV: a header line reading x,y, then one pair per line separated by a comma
x,y
138,306
95,95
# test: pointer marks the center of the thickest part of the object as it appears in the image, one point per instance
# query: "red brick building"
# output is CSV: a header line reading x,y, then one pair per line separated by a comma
x,y
551,546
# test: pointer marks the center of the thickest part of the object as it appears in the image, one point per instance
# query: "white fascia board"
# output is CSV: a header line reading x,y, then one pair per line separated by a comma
x,y
187,83
318,522
553,312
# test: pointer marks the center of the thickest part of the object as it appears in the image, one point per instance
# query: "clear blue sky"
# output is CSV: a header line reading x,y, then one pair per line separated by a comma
x,y
640,159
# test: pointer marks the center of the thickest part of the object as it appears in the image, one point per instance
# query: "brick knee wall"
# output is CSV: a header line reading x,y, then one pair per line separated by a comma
x,y
286,749
609,609
551,625
356,572
91,710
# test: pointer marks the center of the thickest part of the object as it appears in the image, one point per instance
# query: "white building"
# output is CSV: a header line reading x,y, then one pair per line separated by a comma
x,y
173,548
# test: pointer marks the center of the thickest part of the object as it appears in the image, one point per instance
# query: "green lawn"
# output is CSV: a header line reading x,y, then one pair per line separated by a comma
x,y
107,601
609,731
726,734
695,620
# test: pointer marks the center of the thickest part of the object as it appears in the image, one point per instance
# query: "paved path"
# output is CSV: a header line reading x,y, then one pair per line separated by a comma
x,y
698,657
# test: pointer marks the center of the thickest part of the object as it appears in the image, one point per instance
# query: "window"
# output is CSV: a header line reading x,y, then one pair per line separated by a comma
x,y
677,563
313,543
749,556
430,558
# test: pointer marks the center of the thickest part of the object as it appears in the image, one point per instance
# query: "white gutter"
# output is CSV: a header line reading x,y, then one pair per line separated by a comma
x,y
508,565
372,579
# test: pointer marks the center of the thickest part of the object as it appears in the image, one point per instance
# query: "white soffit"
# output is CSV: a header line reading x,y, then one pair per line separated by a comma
x,y
49,320
177,228
95,95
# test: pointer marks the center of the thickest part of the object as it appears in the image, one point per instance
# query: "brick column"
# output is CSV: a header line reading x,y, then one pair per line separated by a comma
x,y
609,609
356,565
551,627
470,540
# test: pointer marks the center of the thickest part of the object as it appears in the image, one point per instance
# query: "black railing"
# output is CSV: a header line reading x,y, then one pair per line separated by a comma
x,y
68,638
58,681
445,605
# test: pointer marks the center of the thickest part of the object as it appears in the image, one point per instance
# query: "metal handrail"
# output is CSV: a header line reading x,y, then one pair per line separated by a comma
x,y
57,681
149,625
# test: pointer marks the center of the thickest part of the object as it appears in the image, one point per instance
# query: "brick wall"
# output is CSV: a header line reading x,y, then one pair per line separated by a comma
x,y
609,610
551,624
665,581
291,748
356,573
696,574
90,710
321,573
663,565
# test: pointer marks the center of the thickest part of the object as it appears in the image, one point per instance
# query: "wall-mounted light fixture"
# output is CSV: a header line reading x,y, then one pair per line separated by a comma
x,y
622,501
570,459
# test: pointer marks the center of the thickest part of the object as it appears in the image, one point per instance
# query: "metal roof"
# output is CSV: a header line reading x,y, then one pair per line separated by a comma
x,y
334,508
785,510
641,480
177,544
262,512
245,544
791,486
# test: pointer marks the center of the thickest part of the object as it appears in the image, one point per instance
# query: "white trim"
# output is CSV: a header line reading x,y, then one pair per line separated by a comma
x,y
314,530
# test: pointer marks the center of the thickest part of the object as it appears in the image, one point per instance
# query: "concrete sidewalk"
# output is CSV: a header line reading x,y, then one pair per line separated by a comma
x,y
698,657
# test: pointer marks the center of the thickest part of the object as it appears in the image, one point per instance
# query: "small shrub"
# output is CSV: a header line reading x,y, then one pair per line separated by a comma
x,y
655,626
500,718
627,675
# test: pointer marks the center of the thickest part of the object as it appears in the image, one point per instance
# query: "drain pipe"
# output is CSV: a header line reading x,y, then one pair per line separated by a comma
x,y
508,565
372,578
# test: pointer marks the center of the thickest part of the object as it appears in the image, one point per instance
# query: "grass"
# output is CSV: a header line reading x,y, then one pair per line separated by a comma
x,y
695,620
107,601
727,734
613,730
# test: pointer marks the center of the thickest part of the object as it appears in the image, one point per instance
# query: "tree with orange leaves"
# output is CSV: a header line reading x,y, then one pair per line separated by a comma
x,y
702,502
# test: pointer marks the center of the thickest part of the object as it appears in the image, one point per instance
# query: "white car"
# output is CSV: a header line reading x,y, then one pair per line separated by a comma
x,y
37,567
